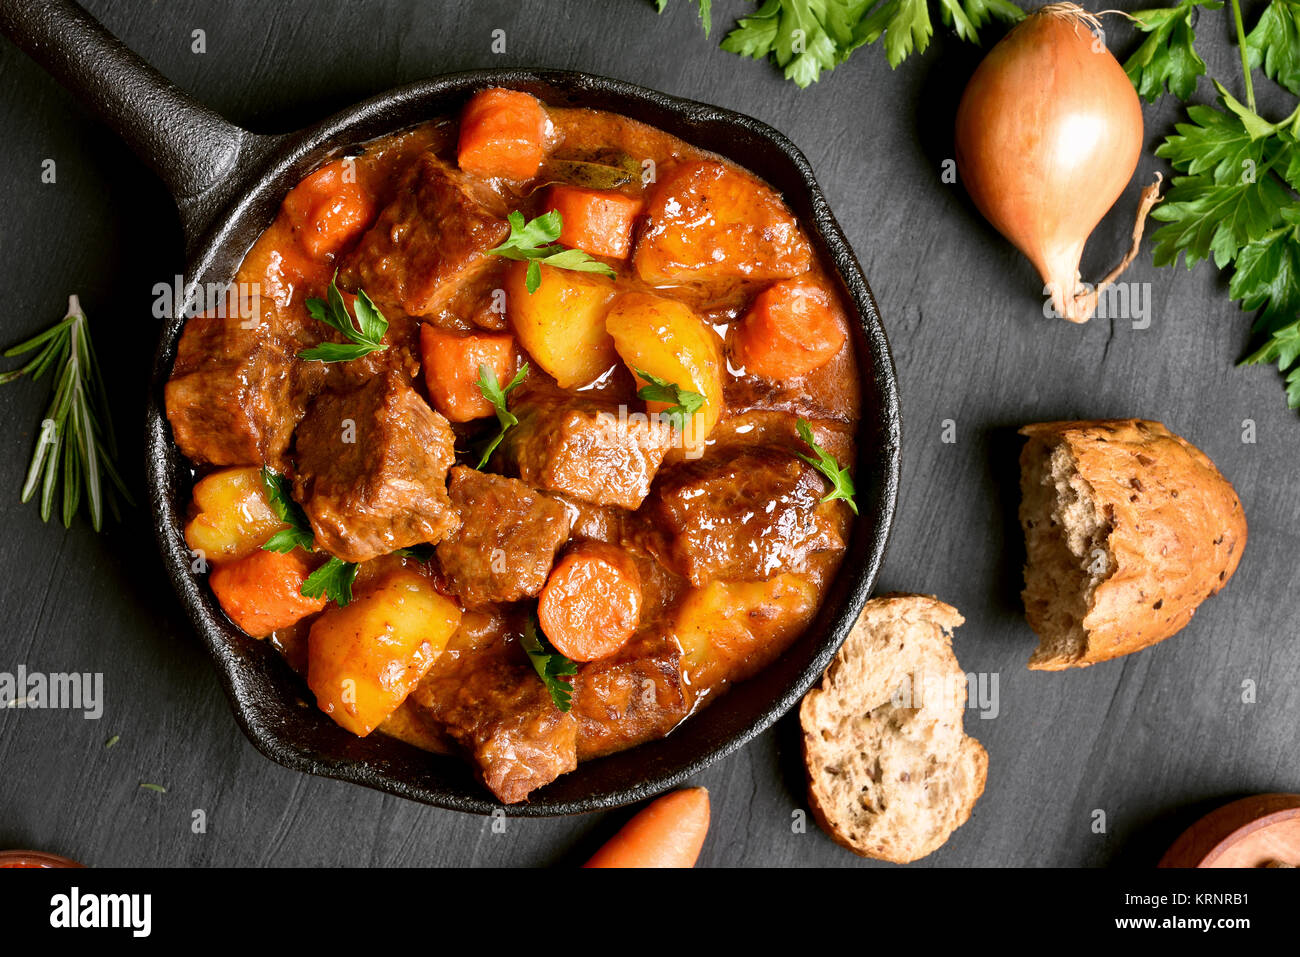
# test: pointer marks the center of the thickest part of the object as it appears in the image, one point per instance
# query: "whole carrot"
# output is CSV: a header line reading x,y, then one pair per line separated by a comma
x,y
668,833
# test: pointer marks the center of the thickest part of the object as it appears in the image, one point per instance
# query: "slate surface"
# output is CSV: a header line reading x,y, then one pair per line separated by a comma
x,y
1151,740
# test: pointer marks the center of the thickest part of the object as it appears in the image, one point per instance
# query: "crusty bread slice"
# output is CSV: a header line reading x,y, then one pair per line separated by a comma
x,y
891,772
1128,528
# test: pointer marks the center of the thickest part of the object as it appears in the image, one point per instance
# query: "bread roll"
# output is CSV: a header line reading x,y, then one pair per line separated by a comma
x,y
1128,528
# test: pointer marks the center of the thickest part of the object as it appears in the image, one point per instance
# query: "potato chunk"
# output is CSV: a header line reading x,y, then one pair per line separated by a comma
x,y
731,630
666,339
562,324
709,221
363,659
233,517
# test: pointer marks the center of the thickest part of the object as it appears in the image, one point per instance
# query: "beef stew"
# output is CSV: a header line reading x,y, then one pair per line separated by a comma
x,y
720,517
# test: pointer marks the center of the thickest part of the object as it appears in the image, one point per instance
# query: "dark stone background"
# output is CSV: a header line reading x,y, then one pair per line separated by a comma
x,y
1153,739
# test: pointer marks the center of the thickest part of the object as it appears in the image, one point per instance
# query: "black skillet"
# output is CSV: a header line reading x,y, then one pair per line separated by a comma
x,y
228,184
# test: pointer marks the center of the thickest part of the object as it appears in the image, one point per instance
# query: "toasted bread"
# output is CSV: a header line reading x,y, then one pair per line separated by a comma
x,y
1128,528
891,772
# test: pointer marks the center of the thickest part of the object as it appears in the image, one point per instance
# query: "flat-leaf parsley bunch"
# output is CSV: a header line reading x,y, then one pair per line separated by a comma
x,y
806,37
1238,198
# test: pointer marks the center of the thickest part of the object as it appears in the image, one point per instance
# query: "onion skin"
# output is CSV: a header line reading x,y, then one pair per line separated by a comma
x,y
1049,132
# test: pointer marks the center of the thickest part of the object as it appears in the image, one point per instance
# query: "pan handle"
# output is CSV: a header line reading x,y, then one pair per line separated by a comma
x,y
193,149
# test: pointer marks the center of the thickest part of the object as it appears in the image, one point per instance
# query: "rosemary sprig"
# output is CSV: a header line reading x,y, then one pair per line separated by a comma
x,y
76,446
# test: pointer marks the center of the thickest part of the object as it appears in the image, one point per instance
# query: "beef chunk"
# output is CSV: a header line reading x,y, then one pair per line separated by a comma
x,y
739,514
235,394
637,695
483,695
585,450
372,470
429,241
507,539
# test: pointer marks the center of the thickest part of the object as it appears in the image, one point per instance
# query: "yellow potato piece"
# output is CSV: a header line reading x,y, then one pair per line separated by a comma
x,y
562,324
363,659
725,626
234,518
668,340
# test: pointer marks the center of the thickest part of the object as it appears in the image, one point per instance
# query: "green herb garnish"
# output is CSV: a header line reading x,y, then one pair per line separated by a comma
x,y
1236,202
75,446
841,482
551,666
421,553
535,243
492,391
806,37
364,337
1167,58
299,533
112,741
682,403
333,580
153,787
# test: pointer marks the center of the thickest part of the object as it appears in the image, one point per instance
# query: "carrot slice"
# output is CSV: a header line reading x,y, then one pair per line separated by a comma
x,y
591,603
502,133
451,369
262,591
793,328
597,221
669,832
328,210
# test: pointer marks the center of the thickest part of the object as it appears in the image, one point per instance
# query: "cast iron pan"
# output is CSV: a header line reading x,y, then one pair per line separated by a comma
x,y
228,184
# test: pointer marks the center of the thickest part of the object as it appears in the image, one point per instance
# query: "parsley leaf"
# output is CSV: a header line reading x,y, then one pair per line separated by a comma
x,y
1266,279
682,403
492,391
706,12
421,553
841,482
551,666
1216,143
1214,219
808,37
333,580
534,242
1167,59
1274,44
364,337
299,533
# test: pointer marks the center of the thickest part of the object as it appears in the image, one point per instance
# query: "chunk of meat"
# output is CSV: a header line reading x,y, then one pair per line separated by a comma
x,y
706,220
372,470
740,514
634,696
593,451
484,696
507,538
430,241
235,394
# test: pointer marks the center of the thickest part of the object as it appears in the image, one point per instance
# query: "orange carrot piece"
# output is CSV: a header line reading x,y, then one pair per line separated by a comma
x,y
262,592
591,603
328,210
451,369
597,221
502,133
669,832
792,328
